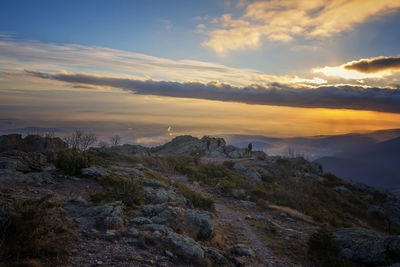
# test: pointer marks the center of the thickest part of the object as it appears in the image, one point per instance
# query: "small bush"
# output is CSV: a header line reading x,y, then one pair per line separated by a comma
x,y
37,229
119,188
267,178
198,200
71,161
323,249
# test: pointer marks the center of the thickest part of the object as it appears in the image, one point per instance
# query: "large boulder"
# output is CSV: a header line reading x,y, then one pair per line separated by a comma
x,y
185,246
367,247
94,172
161,195
187,145
235,153
31,143
201,224
197,224
107,216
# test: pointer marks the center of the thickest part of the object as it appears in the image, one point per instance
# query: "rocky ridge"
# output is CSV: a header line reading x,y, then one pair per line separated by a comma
x,y
172,225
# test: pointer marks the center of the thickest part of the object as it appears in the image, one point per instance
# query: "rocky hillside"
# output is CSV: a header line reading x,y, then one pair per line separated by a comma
x,y
190,202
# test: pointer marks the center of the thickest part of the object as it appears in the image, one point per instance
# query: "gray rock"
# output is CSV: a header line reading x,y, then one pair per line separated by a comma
x,y
361,245
110,233
238,192
94,171
162,195
200,222
235,153
107,216
367,197
133,232
22,161
185,246
341,189
169,254
156,227
197,223
253,174
216,254
139,221
242,250
239,167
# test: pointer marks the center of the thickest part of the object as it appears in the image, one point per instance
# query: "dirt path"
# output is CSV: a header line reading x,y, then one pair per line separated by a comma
x,y
265,256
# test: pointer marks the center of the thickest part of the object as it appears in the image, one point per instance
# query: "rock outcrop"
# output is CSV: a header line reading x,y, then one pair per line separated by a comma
x,y
206,146
31,143
367,247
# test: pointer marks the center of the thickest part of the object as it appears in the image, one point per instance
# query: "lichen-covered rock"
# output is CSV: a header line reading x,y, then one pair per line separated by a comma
x,y
161,195
22,161
185,246
139,221
94,171
196,223
362,246
200,223
235,153
107,216
216,254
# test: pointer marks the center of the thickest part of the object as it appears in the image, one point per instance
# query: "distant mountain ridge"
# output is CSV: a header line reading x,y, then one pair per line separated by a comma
x,y
370,158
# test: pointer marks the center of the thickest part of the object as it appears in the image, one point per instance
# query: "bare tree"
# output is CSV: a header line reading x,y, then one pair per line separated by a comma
x,y
103,144
88,140
80,140
115,140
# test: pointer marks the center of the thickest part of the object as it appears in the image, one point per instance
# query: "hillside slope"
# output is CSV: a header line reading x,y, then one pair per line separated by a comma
x,y
190,202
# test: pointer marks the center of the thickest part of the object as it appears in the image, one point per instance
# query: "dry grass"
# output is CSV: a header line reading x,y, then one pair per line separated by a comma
x,y
293,213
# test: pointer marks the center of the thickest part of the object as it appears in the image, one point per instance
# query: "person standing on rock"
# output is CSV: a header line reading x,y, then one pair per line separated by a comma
x,y
208,143
249,148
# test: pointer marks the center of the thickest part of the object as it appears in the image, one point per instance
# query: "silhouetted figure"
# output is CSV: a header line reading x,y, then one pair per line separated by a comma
x,y
249,148
208,144
218,142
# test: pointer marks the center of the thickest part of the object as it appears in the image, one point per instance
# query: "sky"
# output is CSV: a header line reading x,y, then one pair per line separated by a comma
x,y
152,69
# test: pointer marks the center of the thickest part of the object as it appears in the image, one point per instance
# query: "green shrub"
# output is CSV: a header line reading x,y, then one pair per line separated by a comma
x,y
119,188
71,161
36,229
323,249
198,200
213,174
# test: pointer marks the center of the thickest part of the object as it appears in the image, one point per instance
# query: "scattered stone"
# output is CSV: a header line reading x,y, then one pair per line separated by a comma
x,y
242,250
133,232
341,189
169,254
238,192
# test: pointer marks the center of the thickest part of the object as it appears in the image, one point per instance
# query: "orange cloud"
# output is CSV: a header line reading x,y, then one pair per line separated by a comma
x,y
283,20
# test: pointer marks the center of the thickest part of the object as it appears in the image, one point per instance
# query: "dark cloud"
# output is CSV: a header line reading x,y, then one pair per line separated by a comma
x,y
376,64
346,96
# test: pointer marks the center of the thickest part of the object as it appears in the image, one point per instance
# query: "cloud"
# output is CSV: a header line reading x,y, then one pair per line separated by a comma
x,y
374,65
366,68
282,21
17,55
345,96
